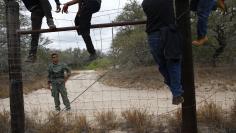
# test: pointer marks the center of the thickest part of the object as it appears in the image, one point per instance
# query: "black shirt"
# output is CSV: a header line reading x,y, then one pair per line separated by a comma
x,y
31,4
160,13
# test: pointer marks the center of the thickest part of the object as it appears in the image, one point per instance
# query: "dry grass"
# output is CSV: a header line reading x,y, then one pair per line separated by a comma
x,y
210,114
143,77
233,114
138,121
56,124
4,87
106,120
149,77
4,122
134,121
174,123
231,124
81,125
28,86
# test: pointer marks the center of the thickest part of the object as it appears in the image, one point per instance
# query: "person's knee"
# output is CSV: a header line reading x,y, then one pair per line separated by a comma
x,y
76,21
85,34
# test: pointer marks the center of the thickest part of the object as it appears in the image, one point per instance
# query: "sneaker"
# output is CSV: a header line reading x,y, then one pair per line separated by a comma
x,y
177,100
221,5
51,24
92,57
31,58
68,108
200,42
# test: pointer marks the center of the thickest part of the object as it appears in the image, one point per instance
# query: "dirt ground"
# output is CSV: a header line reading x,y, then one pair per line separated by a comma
x,y
116,92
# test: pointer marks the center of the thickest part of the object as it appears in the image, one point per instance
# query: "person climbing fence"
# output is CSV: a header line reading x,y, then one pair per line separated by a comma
x,y
83,19
39,9
160,22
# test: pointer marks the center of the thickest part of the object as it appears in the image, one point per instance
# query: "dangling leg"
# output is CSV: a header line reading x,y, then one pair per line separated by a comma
x,y
36,19
47,9
203,11
85,23
157,53
174,70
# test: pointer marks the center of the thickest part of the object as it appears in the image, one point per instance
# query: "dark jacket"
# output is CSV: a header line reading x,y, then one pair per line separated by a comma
x,y
193,5
32,4
160,13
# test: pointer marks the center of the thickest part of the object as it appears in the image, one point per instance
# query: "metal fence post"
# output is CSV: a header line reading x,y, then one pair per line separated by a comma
x,y
189,121
15,72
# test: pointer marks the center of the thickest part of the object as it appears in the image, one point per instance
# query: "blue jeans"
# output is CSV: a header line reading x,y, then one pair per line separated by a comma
x,y
204,9
170,69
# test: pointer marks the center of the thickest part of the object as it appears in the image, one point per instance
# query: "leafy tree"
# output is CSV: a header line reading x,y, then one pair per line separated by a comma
x,y
129,47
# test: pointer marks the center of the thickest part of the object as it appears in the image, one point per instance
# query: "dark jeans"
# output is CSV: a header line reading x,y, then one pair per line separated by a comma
x,y
36,21
83,20
169,68
204,9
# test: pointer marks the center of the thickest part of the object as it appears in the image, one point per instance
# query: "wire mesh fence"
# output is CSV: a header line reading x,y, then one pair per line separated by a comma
x,y
98,107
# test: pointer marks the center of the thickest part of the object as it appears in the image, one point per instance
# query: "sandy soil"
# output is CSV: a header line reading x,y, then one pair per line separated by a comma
x,y
100,97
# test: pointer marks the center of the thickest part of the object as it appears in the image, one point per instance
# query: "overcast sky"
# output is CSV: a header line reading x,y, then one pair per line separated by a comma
x,y
69,39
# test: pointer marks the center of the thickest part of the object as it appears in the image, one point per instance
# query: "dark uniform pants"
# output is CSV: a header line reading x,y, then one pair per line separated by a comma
x,y
59,88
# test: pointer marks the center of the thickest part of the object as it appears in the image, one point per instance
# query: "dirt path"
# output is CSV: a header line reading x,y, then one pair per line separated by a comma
x,y
101,97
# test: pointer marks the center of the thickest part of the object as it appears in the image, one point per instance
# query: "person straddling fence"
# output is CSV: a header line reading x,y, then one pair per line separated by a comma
x,y
203,9
57,79
83,20
166,52
39,9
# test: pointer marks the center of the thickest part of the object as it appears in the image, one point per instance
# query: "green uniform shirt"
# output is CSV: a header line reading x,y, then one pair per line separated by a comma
x,y
56,72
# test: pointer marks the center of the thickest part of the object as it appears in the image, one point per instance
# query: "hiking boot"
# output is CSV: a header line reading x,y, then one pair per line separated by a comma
x,y
177,100
221,5
51,24
58,109
200,42
31,58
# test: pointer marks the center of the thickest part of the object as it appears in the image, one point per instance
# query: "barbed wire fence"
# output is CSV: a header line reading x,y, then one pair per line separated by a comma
x,y
88,95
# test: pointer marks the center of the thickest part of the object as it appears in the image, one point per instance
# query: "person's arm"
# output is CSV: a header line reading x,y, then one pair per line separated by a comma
x,y
68,72
49,78
66,5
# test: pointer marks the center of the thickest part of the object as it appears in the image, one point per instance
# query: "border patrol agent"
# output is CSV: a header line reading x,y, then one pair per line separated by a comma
x,y
57,79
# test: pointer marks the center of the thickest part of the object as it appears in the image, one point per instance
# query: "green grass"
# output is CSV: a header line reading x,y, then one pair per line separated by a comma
x,y
102,63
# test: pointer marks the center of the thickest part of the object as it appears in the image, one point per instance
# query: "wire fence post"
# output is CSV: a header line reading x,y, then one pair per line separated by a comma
x,y
15,72
189,121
